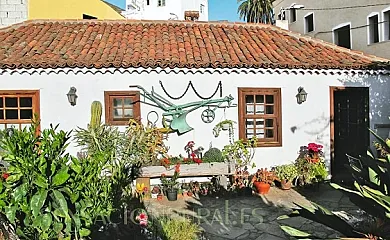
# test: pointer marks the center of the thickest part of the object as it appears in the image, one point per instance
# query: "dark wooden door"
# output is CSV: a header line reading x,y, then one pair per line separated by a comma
x,y
350,128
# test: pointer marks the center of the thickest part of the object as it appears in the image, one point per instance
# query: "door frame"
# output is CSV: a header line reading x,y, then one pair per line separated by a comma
x,y
332,90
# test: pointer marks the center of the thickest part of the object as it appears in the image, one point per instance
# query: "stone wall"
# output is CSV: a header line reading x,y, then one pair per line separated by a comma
x,y
12,11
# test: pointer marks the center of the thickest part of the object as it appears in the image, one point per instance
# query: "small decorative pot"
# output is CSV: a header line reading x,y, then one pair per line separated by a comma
x,y
154,195
159,197
225,126
286,185
172,194
262,187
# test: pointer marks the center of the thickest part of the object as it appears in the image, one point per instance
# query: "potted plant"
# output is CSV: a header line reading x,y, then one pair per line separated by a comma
x,y
286,174
170,184
225,125
242,183
155,192
240,152
310,165
262,180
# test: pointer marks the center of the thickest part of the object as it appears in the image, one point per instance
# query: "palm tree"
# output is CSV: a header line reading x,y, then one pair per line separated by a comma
x,y
256,11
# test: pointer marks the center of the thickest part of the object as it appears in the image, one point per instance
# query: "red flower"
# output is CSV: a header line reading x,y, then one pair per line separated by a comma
x,y
145,189
163,175
5,175
177,168
193,155
197,160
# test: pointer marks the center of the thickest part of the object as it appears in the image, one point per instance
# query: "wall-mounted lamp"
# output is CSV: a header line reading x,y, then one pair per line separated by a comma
x,y
72,97
301,96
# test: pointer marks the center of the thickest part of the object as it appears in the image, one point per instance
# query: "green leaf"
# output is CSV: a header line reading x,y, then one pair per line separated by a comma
x,y
14,178
294,232
61,201
37,202
76,220
40,181
46,221
57,227
61,177
84,232
37,221
59,213
20,192
10,213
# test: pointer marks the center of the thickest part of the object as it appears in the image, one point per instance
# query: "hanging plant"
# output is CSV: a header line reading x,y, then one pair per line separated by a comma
x,y
225,125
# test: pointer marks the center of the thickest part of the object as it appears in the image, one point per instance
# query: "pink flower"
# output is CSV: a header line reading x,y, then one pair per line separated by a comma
x,y
143,219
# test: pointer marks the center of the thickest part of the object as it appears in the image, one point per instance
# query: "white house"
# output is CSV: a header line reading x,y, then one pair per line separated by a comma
x,y
167,9
260,66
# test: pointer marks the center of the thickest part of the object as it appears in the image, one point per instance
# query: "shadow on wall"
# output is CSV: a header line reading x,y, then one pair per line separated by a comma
x,y
318,129
379,98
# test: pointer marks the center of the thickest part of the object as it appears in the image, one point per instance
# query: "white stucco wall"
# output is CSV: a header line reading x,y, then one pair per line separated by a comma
x,y
155,12
311,118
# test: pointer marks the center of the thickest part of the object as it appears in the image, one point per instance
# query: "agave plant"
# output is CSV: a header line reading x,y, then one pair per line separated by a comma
x,y
370,193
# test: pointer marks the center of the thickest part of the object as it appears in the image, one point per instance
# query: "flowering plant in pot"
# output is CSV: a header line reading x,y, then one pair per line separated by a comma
x,y
314,152
170,184
263,179
310,165
155,191
286,174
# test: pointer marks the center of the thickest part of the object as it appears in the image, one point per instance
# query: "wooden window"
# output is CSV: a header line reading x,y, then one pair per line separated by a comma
x,y
17,108
260,115
122,106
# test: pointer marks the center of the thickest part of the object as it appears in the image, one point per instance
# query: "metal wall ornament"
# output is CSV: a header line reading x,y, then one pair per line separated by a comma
x,y
175,115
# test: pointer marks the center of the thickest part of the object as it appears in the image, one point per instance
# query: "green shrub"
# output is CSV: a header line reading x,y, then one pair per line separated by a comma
x,y
213,155
49,194
179,229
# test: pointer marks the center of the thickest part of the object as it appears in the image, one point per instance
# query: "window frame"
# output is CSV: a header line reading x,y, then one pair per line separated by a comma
x,y
277,92
161,3
34,94
334,32
305,23
369,30
108,95
385,24
293,15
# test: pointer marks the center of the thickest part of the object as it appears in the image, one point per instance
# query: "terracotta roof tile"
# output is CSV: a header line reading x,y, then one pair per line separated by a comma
x,y
96,44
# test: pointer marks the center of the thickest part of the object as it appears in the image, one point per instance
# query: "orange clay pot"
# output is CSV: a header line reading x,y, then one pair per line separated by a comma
x,y
262,187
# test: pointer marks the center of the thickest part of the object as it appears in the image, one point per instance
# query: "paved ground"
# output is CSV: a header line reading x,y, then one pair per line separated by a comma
x,y
253,217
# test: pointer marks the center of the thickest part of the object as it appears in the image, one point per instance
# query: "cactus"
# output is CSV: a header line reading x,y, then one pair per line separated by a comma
x,y
213,155
96,114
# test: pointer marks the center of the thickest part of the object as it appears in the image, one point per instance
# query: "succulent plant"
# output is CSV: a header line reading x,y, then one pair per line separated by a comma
x,y
213,155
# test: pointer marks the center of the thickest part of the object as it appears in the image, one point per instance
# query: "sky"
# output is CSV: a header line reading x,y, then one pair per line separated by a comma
x,y
218,9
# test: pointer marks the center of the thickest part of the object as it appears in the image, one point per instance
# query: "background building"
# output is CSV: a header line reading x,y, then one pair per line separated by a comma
x,y
167,9
355,24
15,11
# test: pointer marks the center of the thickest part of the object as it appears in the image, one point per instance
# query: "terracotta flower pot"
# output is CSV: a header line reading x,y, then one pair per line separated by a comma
x,y
262,187
159,197
286,185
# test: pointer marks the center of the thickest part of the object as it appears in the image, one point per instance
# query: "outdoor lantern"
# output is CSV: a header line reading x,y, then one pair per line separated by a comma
x,y
301,96
72,97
